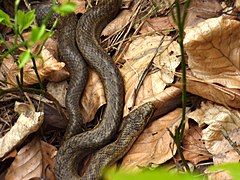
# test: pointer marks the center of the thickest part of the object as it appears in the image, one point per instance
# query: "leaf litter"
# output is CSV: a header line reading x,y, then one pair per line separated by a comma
x,y
212,48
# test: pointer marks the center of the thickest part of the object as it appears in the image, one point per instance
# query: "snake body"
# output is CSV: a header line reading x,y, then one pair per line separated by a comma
x,y
89,28
98,141
79,146
131,128
77,67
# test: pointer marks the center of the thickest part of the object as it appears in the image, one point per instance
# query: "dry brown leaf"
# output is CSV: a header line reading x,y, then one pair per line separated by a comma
x,y
93,97
194,149
156,24
29,121
138,56
199,11
213,51
154,145
219,120
44,69
36,159
213,92
58,91
12,154
120,21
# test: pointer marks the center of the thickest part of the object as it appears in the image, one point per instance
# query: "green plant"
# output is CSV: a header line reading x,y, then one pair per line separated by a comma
x,y
179,17
39,34
160,173
231,168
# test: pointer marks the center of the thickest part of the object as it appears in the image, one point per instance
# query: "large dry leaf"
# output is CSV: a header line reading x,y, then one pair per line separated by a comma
x,y
154,145
28,122
213,50
139,54
214,92
93,97
219,120
194,149
199,11
35,160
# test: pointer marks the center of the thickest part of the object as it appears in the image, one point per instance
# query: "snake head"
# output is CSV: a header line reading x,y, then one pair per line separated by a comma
x,y
137,120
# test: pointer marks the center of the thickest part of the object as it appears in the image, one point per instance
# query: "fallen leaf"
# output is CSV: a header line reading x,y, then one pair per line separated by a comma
x,y
213,52
194,149
154,145
93,97
120,21
138,56
58,91
213,92
219,120
156,24
35,160
49,65
199,11
28,122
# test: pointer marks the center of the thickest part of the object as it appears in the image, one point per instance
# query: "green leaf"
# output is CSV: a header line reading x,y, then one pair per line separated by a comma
x,y
147,174
232,168
25,19
65,8
24,58
38,33
5,19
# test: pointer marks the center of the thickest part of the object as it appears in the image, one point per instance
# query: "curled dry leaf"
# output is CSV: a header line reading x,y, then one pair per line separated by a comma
x,y
29,121
93,97
194,149
214,92
45,68
220,121
199,11
154,145
120,21
35,160
213,51
140,53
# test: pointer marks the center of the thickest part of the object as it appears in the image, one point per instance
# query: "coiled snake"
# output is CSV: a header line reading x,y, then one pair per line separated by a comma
x,y
98,141
79,146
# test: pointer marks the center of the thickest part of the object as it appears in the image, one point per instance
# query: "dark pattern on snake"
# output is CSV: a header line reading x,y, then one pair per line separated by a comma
x,y
79,146
131,128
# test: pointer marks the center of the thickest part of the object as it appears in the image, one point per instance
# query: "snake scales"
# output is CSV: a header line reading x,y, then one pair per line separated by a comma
x,y
78,145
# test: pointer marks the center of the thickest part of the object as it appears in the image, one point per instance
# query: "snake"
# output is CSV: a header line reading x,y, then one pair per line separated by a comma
x,y
77,67
132,126
88,30
79,45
